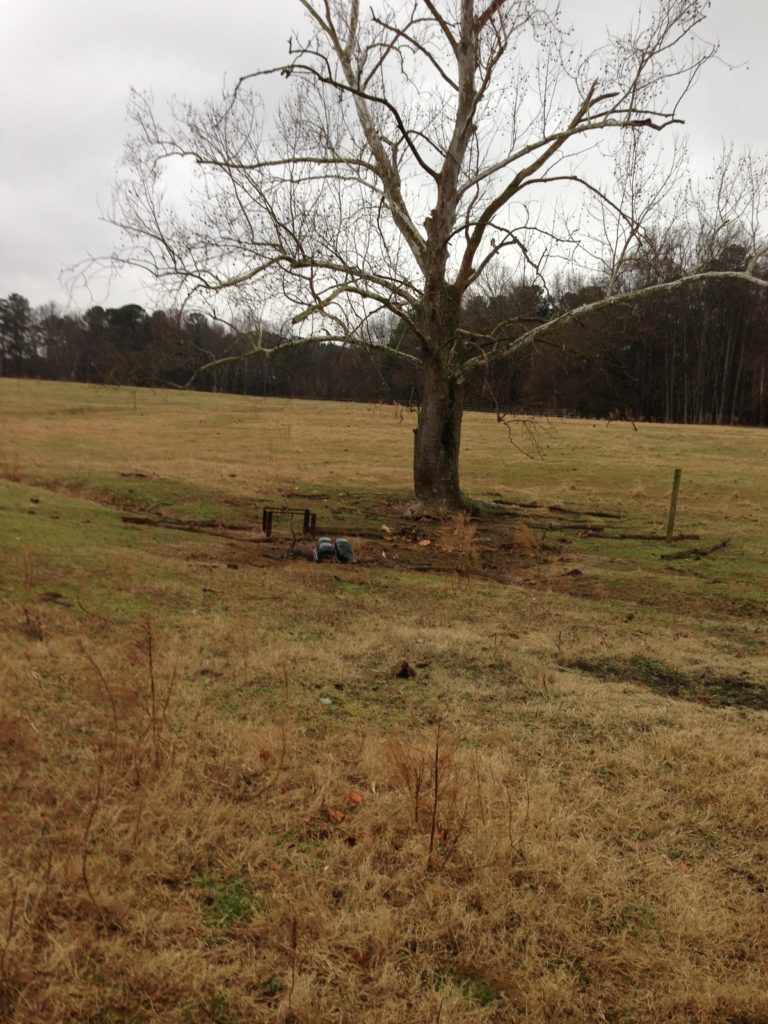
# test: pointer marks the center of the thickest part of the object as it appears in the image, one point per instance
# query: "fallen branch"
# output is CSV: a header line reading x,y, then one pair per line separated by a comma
x,y
209,527
446,570
184,524
696,552
657,537
584,512
539,509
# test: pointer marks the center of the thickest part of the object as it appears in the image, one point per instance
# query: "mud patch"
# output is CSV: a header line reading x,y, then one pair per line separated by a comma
x,y
701,687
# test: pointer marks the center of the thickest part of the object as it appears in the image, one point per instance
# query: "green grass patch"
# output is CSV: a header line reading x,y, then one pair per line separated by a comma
x,y
138,492
475,991
228,901
59,550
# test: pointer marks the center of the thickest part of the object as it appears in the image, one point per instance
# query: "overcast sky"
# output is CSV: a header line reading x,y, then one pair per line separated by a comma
x,y
66,67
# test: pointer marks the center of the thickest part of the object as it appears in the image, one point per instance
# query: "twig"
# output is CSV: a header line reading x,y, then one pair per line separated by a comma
x,y
93,615
110,696
294,954
10,928
514,844
436,796
152,690
86,838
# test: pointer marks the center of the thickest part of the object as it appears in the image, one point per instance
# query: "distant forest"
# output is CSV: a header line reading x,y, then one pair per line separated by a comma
x,y
691,355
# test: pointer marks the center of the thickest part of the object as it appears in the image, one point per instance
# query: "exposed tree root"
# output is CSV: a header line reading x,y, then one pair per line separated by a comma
x,y
697,552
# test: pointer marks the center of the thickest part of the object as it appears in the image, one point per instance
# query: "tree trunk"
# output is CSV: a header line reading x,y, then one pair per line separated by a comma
x,y
437,438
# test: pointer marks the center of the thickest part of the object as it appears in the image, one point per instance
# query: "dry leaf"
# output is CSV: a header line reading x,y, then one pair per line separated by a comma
x,y
264,755
424,543
335,814
354,798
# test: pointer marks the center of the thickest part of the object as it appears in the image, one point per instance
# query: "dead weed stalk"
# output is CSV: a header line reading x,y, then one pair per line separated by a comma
x,y
86,845
146,737
437,793
33,622
457,539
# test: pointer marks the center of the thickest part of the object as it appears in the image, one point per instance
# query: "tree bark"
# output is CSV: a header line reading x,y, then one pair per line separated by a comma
x,y
437,438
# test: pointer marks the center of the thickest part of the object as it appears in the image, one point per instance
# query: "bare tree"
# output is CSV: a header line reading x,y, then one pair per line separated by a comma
x,y
417,145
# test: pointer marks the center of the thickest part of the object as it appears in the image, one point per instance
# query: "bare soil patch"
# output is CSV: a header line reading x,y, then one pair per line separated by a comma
x,y
498,544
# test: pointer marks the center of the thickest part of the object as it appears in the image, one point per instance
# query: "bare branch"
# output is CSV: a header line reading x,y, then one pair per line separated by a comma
x,y
505,347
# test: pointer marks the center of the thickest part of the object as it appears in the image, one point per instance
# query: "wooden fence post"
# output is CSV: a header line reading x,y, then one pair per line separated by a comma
x,y
673,504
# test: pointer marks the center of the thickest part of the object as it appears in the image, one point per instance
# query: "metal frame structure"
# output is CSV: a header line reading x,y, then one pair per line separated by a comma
x,y
308,524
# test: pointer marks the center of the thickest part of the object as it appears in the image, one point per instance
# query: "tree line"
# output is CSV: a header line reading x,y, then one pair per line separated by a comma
x,y
690,355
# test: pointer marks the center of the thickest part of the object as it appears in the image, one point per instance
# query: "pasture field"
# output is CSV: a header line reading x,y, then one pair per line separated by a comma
x,y
515,774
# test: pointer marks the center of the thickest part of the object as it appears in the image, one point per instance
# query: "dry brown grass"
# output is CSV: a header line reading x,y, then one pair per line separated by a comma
x,y
219,804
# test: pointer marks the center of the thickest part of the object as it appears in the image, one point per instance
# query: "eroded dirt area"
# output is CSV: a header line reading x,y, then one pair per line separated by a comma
x,y
502,543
